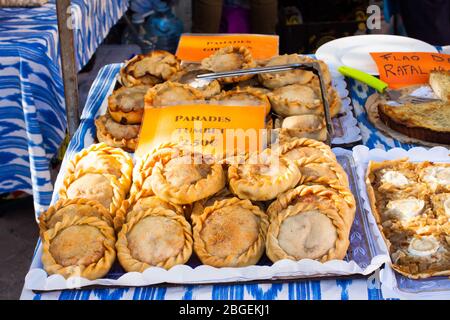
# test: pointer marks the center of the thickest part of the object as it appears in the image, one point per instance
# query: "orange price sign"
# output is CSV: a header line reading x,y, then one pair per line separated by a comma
x,y
402,69
195,47
209,128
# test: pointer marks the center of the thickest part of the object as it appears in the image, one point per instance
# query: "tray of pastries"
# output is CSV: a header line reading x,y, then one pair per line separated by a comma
x,y
292,98
175,216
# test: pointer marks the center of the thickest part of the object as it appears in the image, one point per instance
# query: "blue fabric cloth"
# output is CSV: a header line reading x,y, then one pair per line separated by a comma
x,y
32,111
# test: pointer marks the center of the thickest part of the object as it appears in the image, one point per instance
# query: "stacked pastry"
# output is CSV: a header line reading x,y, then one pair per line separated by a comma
x,y
77,233
294,97
411,203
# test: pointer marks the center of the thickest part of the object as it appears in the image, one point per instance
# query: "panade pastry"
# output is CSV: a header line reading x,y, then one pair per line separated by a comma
x,y
307,223
263,176
305,126
411,206
187,75
169,93
296,99
115,134
81,246
304,148
321,170
248,96
71,208
228,59
187,177
230,233
156,237
281,79
126,105
149,69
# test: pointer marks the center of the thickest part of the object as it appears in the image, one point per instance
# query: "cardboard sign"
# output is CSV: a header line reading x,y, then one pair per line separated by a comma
x,y
401,69
211,128
195,47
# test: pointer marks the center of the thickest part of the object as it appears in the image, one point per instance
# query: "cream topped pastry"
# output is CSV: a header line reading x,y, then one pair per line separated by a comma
x,y
437,175
405,209
395,178
423,246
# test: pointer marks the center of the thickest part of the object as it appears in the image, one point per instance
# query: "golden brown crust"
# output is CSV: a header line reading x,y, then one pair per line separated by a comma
x,y
169,93
103,135
304,126
305,146
241,54
92,271
248,257
149,69
245,94
126,104
296,99
132,264
275,251
55,213
313,169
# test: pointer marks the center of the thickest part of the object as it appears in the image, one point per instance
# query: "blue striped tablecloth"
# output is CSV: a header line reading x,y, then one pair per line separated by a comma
x,y
300,290
32,113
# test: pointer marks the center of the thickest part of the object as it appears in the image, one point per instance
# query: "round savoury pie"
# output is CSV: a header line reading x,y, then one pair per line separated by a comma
x,y
155,237
169,93
307,231
309,126
101,158
318,170
187,177
71,208
126,105
149,69
103,188
263,176
281,79
228,59
115,134
230,233
79,246
304,148
296,99
208,88
248,96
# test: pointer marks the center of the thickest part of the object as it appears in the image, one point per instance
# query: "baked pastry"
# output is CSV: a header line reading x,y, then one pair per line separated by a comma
x,y
154,238
262,176
126,105
334,100
149,69
200,206
103,188
440,83
187,177
435,175
281,79
101,158
305,126
318,170
304,148
230,233
228,59
247,95
169,93
114,134
425,121
208,88
71,208
306,225
441,206
79,246
296,99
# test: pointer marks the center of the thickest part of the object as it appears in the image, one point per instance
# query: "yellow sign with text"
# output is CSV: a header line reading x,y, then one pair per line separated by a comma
x,y
195,47
221,130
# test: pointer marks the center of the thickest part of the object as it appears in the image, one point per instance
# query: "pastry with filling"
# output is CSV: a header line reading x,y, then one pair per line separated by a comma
x,y
440,83
156,237
229,59
117,135
296,99
170,93
79,246
247,96
208,88
230,233
149,69
334,100
103,159
72,208
318,170
280,79
435,175
187,177
304,148
424,121
200,206
103,188
392,174
307,230
262,176
126,105
305,126
441,205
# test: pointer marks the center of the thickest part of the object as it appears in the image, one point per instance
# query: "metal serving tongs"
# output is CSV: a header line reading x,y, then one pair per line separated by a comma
x,y
313,67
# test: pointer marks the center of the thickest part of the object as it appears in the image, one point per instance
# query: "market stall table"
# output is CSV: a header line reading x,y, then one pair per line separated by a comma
x,y
361,288
32,113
